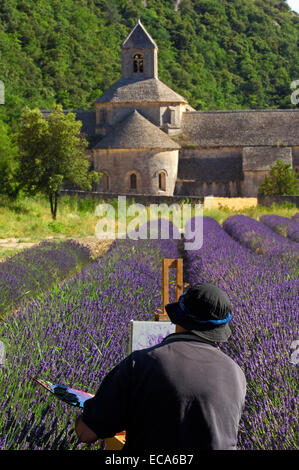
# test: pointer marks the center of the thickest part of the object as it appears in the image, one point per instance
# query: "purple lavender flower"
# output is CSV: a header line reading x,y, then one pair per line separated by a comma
x,y
282,225
258,237
264,293
75,334
35,269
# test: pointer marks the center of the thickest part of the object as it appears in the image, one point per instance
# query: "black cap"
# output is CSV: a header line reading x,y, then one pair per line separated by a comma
x,y
204,309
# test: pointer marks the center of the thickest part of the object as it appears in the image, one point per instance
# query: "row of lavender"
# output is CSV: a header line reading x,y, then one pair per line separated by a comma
x,y
33,270
260,237
88,330
264,292
75,334
282,225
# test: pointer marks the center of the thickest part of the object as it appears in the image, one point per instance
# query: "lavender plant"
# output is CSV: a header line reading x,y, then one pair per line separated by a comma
x,y
75,334
264,294
258,237
282,225
35,269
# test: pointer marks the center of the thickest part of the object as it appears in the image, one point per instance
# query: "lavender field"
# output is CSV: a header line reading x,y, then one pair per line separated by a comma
x,y
76,332
264,292
36,269
286,227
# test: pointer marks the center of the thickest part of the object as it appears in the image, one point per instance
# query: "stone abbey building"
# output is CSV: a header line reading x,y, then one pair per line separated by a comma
x,y
148,140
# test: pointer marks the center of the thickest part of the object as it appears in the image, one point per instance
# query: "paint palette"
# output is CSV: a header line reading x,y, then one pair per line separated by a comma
x,y
63,392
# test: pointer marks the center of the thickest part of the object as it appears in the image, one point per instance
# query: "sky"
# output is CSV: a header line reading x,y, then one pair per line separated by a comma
x,y
294,4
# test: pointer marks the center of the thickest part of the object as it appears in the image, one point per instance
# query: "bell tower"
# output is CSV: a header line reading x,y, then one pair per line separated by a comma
x,y
139,54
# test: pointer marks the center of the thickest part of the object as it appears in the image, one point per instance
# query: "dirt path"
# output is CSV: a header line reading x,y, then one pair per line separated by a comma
x,y
9,246
97,247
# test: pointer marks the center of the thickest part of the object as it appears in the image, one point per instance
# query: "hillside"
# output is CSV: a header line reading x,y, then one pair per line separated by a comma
x,y
218,54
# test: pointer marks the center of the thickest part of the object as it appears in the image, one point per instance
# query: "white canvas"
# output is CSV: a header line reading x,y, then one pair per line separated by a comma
x,y
2,354
144,334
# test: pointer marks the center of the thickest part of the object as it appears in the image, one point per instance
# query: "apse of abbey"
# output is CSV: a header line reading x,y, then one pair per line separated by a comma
x,y
147,139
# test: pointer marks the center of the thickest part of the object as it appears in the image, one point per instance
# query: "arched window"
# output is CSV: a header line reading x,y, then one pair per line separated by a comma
x,y
105,181
162,181
138,63
133,181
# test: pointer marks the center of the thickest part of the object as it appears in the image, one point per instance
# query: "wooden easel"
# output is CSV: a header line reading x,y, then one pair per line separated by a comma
x,y
168,263
117,442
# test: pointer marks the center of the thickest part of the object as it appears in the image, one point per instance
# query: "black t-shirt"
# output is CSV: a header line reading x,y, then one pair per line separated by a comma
x,y
183,394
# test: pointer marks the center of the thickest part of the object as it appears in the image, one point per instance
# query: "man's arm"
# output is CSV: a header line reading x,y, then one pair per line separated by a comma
x,y
84,433
106,413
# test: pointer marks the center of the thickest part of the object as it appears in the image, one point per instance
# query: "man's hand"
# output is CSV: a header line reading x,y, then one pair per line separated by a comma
x,y
84,433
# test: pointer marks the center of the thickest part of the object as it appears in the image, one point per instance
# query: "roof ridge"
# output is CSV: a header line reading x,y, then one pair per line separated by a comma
x,y
148,36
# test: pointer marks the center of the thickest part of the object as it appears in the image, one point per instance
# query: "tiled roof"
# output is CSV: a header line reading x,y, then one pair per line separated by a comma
x,y
135,131
128,90
139,38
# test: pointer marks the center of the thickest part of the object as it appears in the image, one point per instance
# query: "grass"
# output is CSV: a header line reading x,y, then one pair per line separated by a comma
x,y
30,218
286,210
7,252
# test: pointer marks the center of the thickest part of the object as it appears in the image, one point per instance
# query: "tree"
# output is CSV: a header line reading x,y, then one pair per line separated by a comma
x,y
282,181
8,162
52,153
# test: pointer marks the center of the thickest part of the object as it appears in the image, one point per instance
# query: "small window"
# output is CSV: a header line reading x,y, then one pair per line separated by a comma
x,y
106,181
138,63
133,181
168,117
172,116
162,181
102,116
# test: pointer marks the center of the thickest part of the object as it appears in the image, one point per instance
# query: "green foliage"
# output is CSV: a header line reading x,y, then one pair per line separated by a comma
x,y
282,181
219,55
87,205
57,226
52,154
7,162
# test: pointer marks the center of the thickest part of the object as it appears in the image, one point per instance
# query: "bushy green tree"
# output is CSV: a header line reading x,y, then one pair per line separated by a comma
x,y
52,153
230,54
8,162
282,181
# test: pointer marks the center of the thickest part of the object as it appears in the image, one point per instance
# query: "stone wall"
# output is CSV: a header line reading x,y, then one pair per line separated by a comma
x,y
295,154
229,171
210,171
119,164
269,200
109,114
150,62
252,181
262,158
210,164
257,162
137,198
208,188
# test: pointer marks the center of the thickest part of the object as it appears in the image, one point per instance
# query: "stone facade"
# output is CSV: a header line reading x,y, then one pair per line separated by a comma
x,y
146,164
146,138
